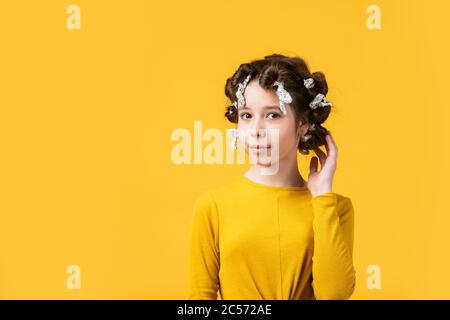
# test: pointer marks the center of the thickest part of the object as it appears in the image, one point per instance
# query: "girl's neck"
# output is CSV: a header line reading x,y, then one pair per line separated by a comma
x,y
287,174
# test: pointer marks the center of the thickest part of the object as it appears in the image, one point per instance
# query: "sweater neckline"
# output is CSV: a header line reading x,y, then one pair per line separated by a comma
x,y
247,181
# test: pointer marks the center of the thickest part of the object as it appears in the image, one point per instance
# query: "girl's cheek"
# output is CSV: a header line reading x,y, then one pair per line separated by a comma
x,y
286,139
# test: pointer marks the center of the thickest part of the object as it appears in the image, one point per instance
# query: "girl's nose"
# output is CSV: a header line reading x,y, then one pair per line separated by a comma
x,y
258,129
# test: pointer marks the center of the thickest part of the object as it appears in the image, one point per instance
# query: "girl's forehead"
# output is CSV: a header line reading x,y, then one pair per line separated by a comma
x,y
256,97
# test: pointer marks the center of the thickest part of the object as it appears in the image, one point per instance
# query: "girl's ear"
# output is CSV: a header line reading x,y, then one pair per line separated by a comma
x,y
302,129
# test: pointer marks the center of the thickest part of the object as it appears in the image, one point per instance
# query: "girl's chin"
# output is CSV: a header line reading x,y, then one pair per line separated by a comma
x,y
266,163
261,157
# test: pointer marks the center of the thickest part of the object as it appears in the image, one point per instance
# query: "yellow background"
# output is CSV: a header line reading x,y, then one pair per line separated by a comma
x,y
86,117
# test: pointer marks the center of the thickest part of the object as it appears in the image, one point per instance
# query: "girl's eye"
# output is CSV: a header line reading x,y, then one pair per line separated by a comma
x,y
245,115
273,115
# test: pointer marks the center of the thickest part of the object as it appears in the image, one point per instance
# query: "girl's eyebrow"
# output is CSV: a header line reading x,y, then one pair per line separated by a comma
x,y
271,107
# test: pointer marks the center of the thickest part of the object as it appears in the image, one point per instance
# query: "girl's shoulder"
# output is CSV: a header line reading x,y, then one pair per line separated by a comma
x,y
212,194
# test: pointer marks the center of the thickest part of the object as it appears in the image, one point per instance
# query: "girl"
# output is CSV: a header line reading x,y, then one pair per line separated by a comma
x,y
275,235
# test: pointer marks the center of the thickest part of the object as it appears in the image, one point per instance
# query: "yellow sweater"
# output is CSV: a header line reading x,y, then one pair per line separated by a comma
x,y
254,241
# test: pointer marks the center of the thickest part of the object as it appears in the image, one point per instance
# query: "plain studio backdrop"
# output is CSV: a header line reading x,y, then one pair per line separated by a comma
x,y
91,203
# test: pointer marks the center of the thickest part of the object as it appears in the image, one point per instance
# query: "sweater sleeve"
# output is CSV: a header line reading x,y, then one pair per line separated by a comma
x,y
333,270
204,249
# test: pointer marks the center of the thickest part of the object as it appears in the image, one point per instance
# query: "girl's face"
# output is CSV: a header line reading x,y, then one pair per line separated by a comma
x,y
260,118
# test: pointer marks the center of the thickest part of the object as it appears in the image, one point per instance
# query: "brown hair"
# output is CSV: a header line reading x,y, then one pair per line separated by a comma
x,y
291,71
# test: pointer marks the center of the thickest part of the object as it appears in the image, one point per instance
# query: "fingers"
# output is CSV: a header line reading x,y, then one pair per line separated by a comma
x,y
313,165
331,146
322,156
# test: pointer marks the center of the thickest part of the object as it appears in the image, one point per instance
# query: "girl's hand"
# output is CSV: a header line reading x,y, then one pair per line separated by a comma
x,y
321,182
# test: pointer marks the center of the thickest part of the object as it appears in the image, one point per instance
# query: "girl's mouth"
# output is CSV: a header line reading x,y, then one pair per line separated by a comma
x,y
258,147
